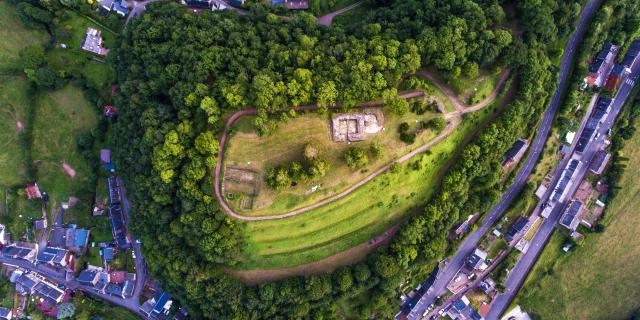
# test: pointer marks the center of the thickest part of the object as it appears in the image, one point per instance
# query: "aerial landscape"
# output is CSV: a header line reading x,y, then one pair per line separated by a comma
x,y
319,159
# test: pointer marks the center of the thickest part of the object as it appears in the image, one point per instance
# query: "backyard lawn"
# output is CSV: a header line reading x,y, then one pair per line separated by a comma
x,y
15,106
15,36
358,217
598,279
60,117
249,151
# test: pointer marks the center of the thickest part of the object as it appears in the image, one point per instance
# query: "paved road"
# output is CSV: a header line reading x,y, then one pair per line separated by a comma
x,y
327,19
526,262
471,242
141,267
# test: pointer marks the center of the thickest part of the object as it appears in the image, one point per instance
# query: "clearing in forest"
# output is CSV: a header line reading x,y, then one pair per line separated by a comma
x,y
359,216
598,279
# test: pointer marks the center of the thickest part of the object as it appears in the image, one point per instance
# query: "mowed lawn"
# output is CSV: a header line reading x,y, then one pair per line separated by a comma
x,y
15,36
59,118
358,217
599,279
14,111
248,150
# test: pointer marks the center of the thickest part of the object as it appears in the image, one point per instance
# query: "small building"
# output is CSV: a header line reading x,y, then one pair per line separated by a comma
x,y
54,257
477,260
199,4
4,236
110,111
297,4
6,314
601,66
157,306
76,239
484,309
21,250
120,9
40,224
105,156
218,5
599,162
631,58
237,3
89,277
570,219
93,42
33,191
569,137
564,150
487,285
616,76
106,4
123,290
107,254
516,229
515,153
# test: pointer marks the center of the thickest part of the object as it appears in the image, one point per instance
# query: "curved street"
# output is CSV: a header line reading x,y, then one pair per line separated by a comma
x,y
471,241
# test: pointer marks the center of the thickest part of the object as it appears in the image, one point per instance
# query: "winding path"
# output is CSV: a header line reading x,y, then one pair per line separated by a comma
x,y
327,19
454,120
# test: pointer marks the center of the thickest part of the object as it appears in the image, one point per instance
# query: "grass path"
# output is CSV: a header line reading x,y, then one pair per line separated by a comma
x,y
453,117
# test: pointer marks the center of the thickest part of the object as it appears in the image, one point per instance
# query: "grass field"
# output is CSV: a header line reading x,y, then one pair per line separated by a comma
x,y
358,217
59,118
247,150
15,36
474,90
599,279
15,107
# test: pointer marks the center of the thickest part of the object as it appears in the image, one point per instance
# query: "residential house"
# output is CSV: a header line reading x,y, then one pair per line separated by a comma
x,y
93,42
601,66
515,153
48,292
570,218
21,250
114,190
6,314
218,5
89,276
462,310
33,191
107,255
157,307
123,290
54,257
181,314
631,58
516,228
76,239
477,260
117,6
237,3
199,4
118,228
297,4
599,162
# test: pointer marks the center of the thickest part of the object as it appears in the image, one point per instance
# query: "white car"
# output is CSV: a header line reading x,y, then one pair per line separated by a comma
x,y
133,254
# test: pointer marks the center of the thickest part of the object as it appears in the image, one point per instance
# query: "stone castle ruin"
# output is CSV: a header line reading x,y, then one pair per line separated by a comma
x,y
354,126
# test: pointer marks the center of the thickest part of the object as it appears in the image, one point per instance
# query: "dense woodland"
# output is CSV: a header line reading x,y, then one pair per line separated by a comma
x,y
180,72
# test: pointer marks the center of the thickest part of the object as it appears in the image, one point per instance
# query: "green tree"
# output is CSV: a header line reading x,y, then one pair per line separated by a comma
x,y
355,158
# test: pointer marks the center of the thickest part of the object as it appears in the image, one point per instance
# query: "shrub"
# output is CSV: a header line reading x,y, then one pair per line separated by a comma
x,y
355,157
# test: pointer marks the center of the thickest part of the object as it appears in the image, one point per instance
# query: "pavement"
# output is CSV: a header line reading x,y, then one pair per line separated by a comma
x,y
327,19
471,241
525,264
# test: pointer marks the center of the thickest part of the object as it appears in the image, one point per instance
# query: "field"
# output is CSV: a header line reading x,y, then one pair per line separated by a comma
x,y
598,280
365,213
248,151
15,36
14,112
60,117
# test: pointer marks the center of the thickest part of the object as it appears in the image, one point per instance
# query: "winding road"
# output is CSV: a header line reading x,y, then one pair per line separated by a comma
x,y
454,120
471,241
